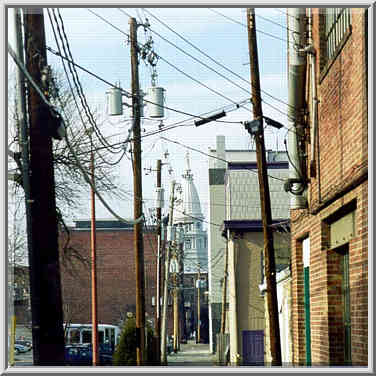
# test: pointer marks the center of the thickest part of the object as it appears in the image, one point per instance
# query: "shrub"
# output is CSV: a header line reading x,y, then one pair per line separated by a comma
x,y
125,352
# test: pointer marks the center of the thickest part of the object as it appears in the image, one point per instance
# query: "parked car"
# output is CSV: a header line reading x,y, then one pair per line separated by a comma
x,y
24,342
82,355
20,348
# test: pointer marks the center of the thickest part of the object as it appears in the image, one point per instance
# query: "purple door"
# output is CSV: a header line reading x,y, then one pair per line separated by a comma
x,y
253,347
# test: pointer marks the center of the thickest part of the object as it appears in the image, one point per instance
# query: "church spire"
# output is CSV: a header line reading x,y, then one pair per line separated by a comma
x,y
188,173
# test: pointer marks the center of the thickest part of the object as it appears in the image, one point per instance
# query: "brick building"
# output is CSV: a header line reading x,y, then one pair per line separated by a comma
x,y
330,235
116,284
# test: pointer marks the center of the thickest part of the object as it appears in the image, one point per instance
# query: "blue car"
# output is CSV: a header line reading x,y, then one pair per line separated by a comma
x,y
82,355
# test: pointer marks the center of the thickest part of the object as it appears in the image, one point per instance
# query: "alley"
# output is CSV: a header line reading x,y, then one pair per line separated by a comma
x,y
192,355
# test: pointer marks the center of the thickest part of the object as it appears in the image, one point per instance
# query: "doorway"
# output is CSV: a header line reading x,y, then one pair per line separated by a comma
x,y
339,309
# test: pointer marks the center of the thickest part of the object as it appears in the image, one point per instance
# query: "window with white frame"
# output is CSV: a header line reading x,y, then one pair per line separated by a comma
x,y
337,25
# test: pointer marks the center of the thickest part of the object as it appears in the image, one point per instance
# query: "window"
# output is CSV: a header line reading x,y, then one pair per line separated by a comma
x,y
86,336
74,336
337,24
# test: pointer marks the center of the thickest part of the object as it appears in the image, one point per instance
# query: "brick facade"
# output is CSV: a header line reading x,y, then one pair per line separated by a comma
x,y
116,284
115,273
339,186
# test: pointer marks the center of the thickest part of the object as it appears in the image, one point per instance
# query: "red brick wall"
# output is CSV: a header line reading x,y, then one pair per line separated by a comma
x,y
341,178
115,275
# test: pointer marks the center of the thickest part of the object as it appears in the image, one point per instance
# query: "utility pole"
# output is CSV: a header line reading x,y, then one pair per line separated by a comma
x,y
165,287
198,339
45,288
24,150
159,232
94,306
182,324
176,307
137,187
270,272
224,294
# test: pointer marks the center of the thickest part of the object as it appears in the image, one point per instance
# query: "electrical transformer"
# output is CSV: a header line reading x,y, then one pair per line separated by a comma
x,y
114,102
155,104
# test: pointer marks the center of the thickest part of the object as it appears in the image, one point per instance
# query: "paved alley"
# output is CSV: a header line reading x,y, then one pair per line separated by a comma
x,y
192,355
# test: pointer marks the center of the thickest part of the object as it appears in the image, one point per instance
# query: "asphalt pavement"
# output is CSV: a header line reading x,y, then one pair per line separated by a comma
x,y
192,354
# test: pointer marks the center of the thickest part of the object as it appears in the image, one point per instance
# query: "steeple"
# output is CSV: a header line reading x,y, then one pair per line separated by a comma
x,y
188,173
190,208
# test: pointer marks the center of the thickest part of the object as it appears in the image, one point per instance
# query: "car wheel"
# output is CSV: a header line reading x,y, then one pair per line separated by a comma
x,y
16,351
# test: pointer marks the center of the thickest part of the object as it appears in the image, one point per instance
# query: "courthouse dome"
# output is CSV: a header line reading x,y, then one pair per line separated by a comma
x,y
189,209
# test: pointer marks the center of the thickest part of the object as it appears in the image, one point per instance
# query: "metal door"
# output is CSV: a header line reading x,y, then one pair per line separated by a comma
x,y
253,347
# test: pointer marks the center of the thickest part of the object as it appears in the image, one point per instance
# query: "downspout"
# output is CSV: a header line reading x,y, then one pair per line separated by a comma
x,y
314,101
296,184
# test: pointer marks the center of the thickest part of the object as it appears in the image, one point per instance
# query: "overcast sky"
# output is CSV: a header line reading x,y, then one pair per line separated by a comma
x,y
104,50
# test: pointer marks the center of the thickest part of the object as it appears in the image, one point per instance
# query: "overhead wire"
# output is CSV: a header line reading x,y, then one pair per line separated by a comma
x,y
50,105
188,54
130,95
80,92
79,89
147,101
212,156
209,57
75,77
259,31
176,68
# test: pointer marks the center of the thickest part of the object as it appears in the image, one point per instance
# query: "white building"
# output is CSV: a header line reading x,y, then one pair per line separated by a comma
x,y
188,213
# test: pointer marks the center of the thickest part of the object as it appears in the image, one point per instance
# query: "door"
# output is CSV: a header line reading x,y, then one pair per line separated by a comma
x,y
253,347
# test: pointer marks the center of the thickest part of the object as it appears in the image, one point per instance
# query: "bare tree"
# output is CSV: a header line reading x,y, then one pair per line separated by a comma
x,y
70,184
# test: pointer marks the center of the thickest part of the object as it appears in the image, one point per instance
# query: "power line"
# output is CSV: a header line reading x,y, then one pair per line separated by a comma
x,y
186,53
212,156
174,66
190,77
209,57
78,85
259,31
130,95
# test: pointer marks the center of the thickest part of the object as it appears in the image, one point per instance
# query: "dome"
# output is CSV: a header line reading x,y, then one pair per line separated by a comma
x,y
189,207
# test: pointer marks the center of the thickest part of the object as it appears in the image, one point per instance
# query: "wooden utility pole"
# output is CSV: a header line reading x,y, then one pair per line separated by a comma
x,y
270,271
224,294
182,323
45,288
137,188
176,309
198,339
94,306
159,234
165,287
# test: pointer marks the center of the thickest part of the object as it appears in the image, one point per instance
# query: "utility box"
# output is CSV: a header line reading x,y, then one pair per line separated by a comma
x,y
155,104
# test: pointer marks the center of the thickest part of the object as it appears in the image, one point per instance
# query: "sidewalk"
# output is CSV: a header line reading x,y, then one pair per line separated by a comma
x,y
192,355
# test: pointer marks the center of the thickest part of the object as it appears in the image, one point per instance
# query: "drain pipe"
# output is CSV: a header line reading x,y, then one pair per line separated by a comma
x,y
314,101
296,184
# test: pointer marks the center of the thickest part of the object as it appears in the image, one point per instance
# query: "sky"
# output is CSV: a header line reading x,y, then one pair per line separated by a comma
x,y
98,42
